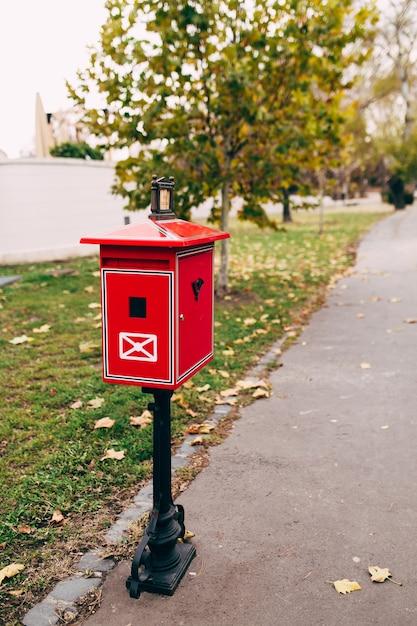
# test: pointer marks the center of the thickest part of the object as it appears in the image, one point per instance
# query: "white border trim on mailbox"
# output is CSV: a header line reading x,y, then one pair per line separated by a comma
x,y
204,248
114,377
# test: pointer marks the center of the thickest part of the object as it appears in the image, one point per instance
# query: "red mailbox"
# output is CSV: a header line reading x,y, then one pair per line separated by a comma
x,y
157,300
157,324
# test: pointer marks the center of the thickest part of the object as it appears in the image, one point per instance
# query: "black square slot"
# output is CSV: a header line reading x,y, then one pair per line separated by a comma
x,y
137,307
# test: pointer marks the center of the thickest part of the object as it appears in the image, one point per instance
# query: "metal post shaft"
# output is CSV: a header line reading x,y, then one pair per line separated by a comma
x,y
160,560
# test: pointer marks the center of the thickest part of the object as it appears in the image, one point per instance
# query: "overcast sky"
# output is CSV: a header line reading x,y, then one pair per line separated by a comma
x,y
42,43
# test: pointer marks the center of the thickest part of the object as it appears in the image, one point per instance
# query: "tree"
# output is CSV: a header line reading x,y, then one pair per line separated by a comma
x,y
81,150
226,96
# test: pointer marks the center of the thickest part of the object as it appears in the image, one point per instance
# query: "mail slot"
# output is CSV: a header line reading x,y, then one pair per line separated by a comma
x,y
157,296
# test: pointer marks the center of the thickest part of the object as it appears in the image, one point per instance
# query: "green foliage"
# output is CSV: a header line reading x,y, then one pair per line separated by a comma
x,y
81,150
231,99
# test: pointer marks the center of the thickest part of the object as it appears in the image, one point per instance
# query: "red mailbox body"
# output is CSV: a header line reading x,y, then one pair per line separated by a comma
x,y
157,302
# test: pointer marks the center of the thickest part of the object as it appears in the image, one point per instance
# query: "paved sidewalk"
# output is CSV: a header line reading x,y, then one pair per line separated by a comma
x,y
315,478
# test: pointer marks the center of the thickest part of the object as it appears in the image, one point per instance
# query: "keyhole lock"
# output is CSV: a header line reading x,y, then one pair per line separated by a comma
x,y
196,285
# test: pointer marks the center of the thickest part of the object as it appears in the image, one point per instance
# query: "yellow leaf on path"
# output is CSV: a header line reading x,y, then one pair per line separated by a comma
x,y
395,300
232,401
252,383
10,570
203,388
193,429
42,329
365,366
196,441
188,534
410,320
76,405
381,574
141,420
117,455
21,339
360,316
104,422
260,393
95,403
57,516
346,586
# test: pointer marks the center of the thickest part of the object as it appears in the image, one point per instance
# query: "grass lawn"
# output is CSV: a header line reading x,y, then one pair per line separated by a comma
x,y
50,453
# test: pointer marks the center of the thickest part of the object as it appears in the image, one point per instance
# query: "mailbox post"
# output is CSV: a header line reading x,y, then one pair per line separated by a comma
x,y
157,296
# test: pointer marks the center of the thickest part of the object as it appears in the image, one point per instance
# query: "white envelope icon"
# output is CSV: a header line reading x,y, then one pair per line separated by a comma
x,y
138,347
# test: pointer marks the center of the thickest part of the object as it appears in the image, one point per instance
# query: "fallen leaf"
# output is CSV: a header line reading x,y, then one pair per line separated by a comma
x,y
205,428
45,328
196,441
188,534
88,346
94,305
410,320
228,352
191,413
249,321
385,427
226,393
395,300
96,403
10,570
260,393
224,374
232,401
203,388
76,405
346,586
193,429
96,273
25,530
360,316
89,289
118,455
21,339
251,383
141,420
381,574
16,593
57,516
365,366
104,422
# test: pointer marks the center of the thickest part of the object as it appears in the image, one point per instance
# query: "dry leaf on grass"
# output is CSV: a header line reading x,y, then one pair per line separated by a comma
x,y
381,574
346,586
94,305
16,593
10,570
141,420
193,429
206,428
88,346
249,321
25,529
21,339
197,441
76,405
228,352
203,388
365,366
231,401
117,455
191,413
104,422
96,403
45,328
89,289
224,374
57,517
252,383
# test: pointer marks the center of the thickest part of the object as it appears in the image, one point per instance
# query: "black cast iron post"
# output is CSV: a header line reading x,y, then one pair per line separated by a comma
x,y
160,560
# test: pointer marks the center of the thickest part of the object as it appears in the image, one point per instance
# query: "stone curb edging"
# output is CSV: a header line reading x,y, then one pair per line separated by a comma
x,y
63,598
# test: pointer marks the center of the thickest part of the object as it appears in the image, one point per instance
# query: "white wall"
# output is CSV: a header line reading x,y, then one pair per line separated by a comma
x,y
46,205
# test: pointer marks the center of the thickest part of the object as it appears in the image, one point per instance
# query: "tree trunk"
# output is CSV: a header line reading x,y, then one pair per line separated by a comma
x,y
223,280
286,209
397,192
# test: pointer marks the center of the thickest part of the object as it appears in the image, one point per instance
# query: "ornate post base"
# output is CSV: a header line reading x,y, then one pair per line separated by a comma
x,y
160,560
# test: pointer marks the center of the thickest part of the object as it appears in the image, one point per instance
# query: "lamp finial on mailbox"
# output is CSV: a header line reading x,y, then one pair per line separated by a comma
x,y
162,198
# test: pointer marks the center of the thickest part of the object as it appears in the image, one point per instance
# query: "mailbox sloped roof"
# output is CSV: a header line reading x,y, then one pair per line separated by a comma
x,y
169,234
